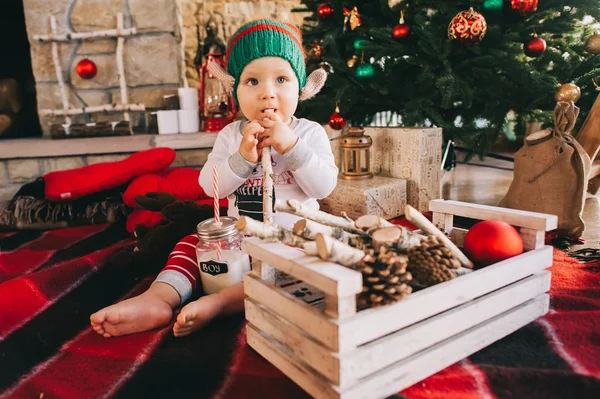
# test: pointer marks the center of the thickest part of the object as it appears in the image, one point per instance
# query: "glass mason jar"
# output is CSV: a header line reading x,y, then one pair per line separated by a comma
x,y
218,271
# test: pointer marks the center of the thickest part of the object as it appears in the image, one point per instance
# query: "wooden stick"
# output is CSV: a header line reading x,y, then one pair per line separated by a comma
x,y
309,229
99,34
121,66
94,109
59,72
417,218
296,207
335,251
268,231
267,185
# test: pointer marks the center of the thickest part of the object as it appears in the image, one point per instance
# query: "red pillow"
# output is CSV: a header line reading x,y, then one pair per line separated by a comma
x,y
77,183
181,182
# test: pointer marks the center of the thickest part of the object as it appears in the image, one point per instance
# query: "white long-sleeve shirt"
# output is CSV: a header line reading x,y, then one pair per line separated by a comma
x,y
306,173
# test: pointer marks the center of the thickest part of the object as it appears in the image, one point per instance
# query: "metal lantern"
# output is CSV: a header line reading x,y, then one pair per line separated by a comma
x,y
217,107
355,147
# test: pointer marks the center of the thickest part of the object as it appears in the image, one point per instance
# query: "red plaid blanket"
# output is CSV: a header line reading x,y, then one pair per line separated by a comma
x,y
50,282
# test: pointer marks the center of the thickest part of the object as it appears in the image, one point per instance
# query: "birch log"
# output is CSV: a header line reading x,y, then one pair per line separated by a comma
x,y
268,231
370,223
71,36
121,67
267,185
417,218
396,237
310,248
335,251
59,72
296,207
309,229
93,109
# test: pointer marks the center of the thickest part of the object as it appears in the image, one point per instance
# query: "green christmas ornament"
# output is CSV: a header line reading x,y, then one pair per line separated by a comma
x,y
360,43
365,72
493,5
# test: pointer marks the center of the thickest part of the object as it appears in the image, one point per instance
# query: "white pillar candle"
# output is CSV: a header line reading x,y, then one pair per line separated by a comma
x,y
188,98
189,120
167,122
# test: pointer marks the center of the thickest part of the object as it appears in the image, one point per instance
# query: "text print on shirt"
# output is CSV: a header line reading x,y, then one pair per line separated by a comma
x,y
249,196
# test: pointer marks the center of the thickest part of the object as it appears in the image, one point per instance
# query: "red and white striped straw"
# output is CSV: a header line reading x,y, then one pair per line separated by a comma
x,y
216,205
216,195
219,253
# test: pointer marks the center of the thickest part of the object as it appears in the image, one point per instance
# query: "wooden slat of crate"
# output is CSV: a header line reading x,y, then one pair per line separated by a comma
x,y
371,324
409,371
371,357
311,320
530,220
446,353
322,359
457,235
328,277
343,369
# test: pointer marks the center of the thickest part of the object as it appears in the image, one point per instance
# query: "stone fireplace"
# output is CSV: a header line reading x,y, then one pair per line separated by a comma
x,y
157,59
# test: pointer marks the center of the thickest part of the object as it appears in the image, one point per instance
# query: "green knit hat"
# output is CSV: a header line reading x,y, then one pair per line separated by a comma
x,y
265,38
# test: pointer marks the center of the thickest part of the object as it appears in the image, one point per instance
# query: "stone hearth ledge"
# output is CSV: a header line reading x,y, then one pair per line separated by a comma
x,y
46,147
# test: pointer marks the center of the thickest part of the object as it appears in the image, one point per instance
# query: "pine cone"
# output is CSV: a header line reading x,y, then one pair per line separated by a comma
x,y
431,263
384,278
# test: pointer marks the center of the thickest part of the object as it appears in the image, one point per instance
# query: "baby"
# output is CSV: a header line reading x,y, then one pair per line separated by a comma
x,y
267,75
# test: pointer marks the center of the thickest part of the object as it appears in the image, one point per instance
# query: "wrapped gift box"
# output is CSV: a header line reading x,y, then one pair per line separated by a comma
x,y
382,196
412,154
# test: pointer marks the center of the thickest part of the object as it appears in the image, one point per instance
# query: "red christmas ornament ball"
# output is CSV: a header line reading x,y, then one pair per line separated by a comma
x,y
534,47
400,31
524,7
467,27
324,10
336,120
492,241
86,69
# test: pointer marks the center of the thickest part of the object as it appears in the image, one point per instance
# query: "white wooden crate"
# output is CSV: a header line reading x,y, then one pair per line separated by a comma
x,y
333,351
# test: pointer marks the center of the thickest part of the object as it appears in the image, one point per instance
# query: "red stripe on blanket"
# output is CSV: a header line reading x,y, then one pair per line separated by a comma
x,y
90,366
463,380
29,295
572,325
34,254
6,234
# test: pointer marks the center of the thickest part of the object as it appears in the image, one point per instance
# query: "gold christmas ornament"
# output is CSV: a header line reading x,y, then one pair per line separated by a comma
x,y
352,61
567,92
351,18
593,43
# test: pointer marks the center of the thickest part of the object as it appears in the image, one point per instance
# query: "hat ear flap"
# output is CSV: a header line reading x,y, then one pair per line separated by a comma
x,y
314,84
222,76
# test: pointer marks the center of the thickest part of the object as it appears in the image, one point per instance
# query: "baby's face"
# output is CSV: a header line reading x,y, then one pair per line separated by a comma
x,y
268,83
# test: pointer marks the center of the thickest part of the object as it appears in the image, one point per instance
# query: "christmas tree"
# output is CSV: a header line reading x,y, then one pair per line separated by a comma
x,y
398,56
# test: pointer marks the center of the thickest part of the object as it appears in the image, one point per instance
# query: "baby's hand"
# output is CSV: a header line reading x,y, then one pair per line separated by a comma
x,y
248,146
276,134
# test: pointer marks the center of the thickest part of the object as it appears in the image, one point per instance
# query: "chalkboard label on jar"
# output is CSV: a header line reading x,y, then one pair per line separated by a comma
x,y
213,268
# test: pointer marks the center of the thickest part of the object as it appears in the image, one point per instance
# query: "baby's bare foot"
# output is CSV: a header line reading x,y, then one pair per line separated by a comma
x,y
197,314
140,313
